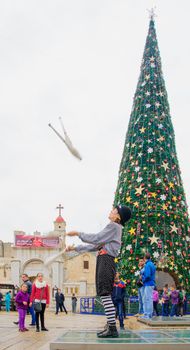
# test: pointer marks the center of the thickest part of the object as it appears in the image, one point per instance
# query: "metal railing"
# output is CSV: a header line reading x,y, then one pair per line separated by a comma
x,y
93,305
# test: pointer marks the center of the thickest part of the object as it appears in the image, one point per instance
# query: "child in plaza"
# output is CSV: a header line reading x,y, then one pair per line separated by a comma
x,y
22,302
155,301
107,243
118,296
174,295
165,301
181,300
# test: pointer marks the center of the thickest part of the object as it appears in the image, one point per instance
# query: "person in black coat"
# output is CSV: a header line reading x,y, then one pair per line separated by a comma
x,y
62,302
59,298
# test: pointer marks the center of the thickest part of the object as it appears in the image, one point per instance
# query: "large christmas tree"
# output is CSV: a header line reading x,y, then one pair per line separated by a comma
x,y
150,181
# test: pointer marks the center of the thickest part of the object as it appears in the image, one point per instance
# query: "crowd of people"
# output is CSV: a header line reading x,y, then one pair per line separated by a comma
x,y
173,300
34,298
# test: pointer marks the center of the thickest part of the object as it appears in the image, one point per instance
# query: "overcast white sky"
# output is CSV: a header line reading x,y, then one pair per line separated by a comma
x,y
79,59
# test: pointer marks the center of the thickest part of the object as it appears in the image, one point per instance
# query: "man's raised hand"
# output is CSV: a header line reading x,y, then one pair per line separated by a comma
x,y
70,248
72,233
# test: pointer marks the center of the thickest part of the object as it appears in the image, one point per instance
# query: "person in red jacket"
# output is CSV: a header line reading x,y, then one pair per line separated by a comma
x,y
40,293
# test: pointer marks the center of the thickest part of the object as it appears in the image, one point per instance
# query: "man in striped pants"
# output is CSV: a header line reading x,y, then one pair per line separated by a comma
x,y
107,243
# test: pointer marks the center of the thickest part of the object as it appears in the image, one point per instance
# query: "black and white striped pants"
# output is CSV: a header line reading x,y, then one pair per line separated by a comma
x,y
105,274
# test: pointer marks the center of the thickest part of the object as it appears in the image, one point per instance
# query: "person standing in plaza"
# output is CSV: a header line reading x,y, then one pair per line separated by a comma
x,y
40,295
118,296
74,303
58,301
59,298
155,300
140,286
26,280
8,301
63,302
174,295
148,279
108,243
165,301
184,300
22,301
181,300
1,299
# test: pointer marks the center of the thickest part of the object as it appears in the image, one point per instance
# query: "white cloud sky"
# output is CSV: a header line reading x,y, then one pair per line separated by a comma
x,y
79,59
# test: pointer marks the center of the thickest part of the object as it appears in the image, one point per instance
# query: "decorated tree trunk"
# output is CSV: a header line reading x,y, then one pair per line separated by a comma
x,y
150,181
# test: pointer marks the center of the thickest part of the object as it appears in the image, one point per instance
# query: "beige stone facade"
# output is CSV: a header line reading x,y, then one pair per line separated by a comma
x,y
80,275
6,254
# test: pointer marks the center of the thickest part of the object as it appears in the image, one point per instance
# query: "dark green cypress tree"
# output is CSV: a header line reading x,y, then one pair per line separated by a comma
x,y
150,181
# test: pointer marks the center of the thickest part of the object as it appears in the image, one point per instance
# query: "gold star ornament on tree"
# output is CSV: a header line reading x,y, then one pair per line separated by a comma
x,y
142,130
165,166
173,228
154,239
128,199
132,231
139,189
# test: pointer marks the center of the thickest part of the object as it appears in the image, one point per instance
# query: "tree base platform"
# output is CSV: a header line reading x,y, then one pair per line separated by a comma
x,y
162,321
130,340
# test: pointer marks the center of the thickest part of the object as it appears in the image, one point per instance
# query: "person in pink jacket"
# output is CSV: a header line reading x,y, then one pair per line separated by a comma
x,y
155,300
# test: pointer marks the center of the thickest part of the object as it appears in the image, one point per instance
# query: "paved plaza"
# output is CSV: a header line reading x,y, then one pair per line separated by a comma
x,y
11,339
78,332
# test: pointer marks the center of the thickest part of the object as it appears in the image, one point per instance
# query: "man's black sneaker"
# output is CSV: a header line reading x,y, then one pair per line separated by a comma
x,y
111,332
105,328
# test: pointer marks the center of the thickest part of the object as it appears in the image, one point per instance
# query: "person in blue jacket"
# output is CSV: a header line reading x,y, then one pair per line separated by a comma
x,y
118,296
26,281
148,278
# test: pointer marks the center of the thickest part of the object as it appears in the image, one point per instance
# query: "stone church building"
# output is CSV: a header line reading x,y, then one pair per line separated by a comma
x,y
71,272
